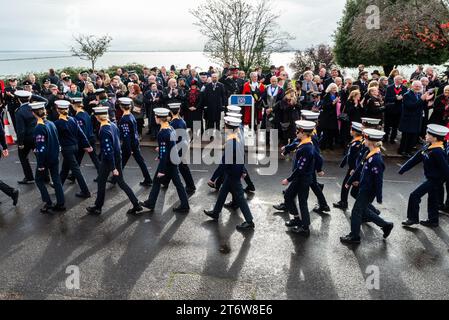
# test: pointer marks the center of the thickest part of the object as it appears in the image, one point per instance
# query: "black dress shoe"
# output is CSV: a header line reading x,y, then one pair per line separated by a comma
x,y
146,183
301,230
387,230
212,215
46,208
429,224
135,210
341,205
25,181
295,222
59,208
211,185
408,223
320,210
349,240
280,207
230,205
245,226
181,210
93,210
15,197
146,205
83,195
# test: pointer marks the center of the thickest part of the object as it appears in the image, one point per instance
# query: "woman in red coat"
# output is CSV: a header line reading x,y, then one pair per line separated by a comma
x,y
256,89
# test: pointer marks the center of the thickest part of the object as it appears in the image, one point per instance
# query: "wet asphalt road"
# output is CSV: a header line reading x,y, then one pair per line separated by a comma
x,y
169,256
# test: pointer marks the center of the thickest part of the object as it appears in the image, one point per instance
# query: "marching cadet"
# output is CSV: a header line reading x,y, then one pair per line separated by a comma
x,y
71,138
301,179
350,160
167,169
216,180
9,191
316,187
370,176
130,140
25,123
47,157
234,170
85,122
178,123
111,161
367,123
436,171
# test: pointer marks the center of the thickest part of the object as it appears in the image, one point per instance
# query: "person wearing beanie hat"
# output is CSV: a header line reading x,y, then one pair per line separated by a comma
x,y
369,176
436,171
167,169
47,159
111,161
233,163
71,138
180,125
130,141
350,160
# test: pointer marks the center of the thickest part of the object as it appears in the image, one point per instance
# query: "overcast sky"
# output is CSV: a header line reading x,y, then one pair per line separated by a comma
x,y
143,24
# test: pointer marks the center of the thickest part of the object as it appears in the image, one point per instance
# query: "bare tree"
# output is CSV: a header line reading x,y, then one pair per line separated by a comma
x,y
240,32
90,48
312,57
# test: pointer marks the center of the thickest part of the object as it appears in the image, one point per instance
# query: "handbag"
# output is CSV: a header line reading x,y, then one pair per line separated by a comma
x,y
343,116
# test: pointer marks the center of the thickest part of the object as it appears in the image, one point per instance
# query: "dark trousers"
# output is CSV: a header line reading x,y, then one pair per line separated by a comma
x,y
362,210
235,188
140,124
136,153
186,175
93,155
318,192
213,124
329,137
6,189
105,170
355,193
432,188
28,146
345,133
344,194
218,178
391,126
41,177
171,174
153,127
408,141
299,188
70,163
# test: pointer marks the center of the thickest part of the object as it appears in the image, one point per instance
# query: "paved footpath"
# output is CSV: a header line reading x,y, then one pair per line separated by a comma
x,y
169,256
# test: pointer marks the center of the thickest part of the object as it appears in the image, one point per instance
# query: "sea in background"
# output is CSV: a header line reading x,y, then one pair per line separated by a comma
x,y
22,62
